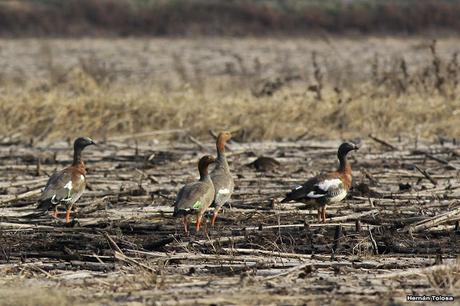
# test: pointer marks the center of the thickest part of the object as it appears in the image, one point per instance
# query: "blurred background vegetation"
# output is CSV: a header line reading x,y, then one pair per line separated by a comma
x,y
225,17
270,69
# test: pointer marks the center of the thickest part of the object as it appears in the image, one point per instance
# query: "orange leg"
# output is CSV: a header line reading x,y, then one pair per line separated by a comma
x,y
185,223
198,222
323,214
55,213
67,215
319,214
214,216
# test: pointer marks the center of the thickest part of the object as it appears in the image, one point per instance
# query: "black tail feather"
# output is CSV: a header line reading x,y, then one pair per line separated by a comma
x,y
45,205
287,198
183,212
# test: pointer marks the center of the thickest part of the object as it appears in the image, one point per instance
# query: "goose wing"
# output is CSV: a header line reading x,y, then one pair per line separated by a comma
x,y
193,197
62,187
316,188
223,185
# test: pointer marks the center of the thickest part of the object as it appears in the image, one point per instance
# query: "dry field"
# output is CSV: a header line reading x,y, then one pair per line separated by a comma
x,y
396,234
272,89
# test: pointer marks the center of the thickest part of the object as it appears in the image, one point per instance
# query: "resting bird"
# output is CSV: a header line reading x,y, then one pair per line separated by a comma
x,y
66,186
196,197
221,176
326,188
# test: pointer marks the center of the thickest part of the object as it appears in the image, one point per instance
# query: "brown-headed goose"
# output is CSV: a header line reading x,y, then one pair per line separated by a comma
x,y
196,197
221,176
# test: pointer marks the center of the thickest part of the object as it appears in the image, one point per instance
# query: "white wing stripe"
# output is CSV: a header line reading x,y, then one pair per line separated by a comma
x,y
324,186
68,185
223,191
312,194
327,184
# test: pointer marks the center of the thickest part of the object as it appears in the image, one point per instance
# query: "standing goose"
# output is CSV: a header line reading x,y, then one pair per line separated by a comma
x,y
326,188
196,197
221,176
66,186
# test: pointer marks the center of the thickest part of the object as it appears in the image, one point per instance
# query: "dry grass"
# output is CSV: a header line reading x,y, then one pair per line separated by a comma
x,y
270,89
33,296
446,279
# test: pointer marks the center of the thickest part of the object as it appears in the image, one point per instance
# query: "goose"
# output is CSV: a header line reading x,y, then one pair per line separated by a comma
x,y
221,176
195,198
65,187
327,188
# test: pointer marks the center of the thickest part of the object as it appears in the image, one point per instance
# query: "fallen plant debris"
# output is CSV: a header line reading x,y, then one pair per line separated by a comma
x,y
374,245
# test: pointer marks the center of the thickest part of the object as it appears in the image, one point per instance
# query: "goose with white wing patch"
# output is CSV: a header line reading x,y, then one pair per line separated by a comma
x,y
326,188
195,198
65,187
221,176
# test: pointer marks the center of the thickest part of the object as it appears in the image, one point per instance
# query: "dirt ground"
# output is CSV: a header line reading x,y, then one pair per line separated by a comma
x,y
395,234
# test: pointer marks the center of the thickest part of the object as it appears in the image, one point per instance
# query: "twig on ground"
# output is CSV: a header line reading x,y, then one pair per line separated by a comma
x,y
434,221
197,142
426,174
383,142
